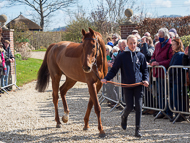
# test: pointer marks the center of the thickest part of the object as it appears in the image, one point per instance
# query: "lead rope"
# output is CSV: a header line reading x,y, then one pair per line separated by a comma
x,y
116,83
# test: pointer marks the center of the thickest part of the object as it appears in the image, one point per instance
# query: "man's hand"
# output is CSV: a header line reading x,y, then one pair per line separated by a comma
x,y
145,83
143,40
104,81
110,64
154,63
186,50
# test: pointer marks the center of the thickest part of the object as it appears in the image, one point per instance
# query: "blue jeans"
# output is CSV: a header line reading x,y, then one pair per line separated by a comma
x,y
4,78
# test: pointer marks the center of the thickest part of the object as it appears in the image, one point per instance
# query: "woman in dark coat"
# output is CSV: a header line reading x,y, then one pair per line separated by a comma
x,y
175,77
133,70
147,47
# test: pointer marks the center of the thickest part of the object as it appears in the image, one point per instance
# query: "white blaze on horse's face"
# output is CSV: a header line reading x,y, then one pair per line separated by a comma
x,y
89,51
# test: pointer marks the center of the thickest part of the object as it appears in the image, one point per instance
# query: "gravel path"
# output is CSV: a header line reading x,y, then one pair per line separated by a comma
x,y
38,55
28,116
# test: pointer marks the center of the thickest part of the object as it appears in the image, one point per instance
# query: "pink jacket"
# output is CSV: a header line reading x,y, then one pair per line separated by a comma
x,y
163,56
3,59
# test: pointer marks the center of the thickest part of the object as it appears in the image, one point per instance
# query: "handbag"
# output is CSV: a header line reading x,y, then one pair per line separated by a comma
x,y
187,78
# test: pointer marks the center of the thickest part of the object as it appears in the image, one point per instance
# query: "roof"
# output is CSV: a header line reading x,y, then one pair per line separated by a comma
x,y
31,25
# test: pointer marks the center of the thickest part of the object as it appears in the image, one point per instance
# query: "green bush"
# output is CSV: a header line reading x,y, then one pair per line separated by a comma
x,y
18,57
23,40
185,40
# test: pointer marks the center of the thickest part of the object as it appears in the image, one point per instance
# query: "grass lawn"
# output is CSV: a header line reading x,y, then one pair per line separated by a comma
x,y
27,70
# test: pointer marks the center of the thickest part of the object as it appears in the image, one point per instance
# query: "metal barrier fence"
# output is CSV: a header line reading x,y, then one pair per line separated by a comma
x,y
112,93
155,96
178,99
15,80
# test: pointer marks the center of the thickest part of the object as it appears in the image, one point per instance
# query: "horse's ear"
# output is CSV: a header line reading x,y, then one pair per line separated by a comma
x,y
91,31
83,32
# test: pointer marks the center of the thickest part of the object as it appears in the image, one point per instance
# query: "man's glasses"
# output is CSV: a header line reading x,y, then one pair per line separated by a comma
x,y
114,38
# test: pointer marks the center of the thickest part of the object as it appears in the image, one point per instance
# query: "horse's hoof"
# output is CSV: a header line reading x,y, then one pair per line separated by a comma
x,y
65,118
85,129
58,126
102,135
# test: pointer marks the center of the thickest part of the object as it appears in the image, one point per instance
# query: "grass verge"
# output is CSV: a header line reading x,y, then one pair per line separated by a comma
x,y
27,70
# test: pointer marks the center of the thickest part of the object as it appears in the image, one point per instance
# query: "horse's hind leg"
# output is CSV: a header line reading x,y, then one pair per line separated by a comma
x,y
69,83
89,108
55,86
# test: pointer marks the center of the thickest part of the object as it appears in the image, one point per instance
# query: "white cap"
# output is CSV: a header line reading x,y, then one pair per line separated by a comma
x,y
134,31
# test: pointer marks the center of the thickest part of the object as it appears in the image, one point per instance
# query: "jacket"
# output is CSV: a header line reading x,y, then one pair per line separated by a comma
x,y
186,62
163,56
3,68
133,67
147,50
176,74
8,55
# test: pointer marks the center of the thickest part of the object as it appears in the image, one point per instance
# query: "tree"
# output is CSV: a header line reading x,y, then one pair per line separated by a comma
x,y
110,14
73,31
44,8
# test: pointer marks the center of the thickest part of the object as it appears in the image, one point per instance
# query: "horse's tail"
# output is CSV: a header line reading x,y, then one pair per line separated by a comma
x,y
43,73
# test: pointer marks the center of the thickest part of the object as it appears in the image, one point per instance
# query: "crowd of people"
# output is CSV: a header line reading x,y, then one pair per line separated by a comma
x,y
6,58
166,49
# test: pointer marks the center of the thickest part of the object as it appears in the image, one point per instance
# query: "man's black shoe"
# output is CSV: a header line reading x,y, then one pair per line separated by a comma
x,y
160,116
1,92
7,89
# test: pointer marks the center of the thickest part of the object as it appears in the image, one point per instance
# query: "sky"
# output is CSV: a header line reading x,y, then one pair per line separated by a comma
x,y
152,8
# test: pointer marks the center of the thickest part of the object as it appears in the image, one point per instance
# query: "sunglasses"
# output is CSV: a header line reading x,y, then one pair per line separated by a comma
x,y
114,38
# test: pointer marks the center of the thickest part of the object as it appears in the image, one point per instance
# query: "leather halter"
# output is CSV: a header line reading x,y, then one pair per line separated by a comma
x,y
97,45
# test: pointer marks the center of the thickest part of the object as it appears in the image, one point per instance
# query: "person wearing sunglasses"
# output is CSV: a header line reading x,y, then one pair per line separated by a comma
x,y
115,39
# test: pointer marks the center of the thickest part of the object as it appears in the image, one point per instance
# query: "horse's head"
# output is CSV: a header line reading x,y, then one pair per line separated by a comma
x,y
90,49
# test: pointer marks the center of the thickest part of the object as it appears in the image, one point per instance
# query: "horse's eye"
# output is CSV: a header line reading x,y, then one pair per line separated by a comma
x,y
93,46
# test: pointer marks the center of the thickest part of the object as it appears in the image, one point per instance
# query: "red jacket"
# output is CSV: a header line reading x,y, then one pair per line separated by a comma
x,y
162,55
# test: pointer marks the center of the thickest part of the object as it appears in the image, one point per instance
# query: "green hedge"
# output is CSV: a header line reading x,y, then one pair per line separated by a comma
x,y
186,40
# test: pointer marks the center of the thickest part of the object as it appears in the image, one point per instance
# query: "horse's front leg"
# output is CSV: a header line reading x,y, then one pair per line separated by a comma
x,y
90,104
97,108
86,117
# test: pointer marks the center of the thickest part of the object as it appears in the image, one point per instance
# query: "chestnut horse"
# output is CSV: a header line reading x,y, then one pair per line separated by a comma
x,y
83,62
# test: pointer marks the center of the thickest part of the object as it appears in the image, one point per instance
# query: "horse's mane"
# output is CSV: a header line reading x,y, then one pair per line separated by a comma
x,y
103,48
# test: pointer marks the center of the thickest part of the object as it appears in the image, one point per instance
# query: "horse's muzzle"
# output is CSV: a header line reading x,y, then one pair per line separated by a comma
x,y
86,69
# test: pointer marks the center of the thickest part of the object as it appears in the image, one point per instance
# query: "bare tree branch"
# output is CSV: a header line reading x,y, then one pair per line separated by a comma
x,y
44,7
